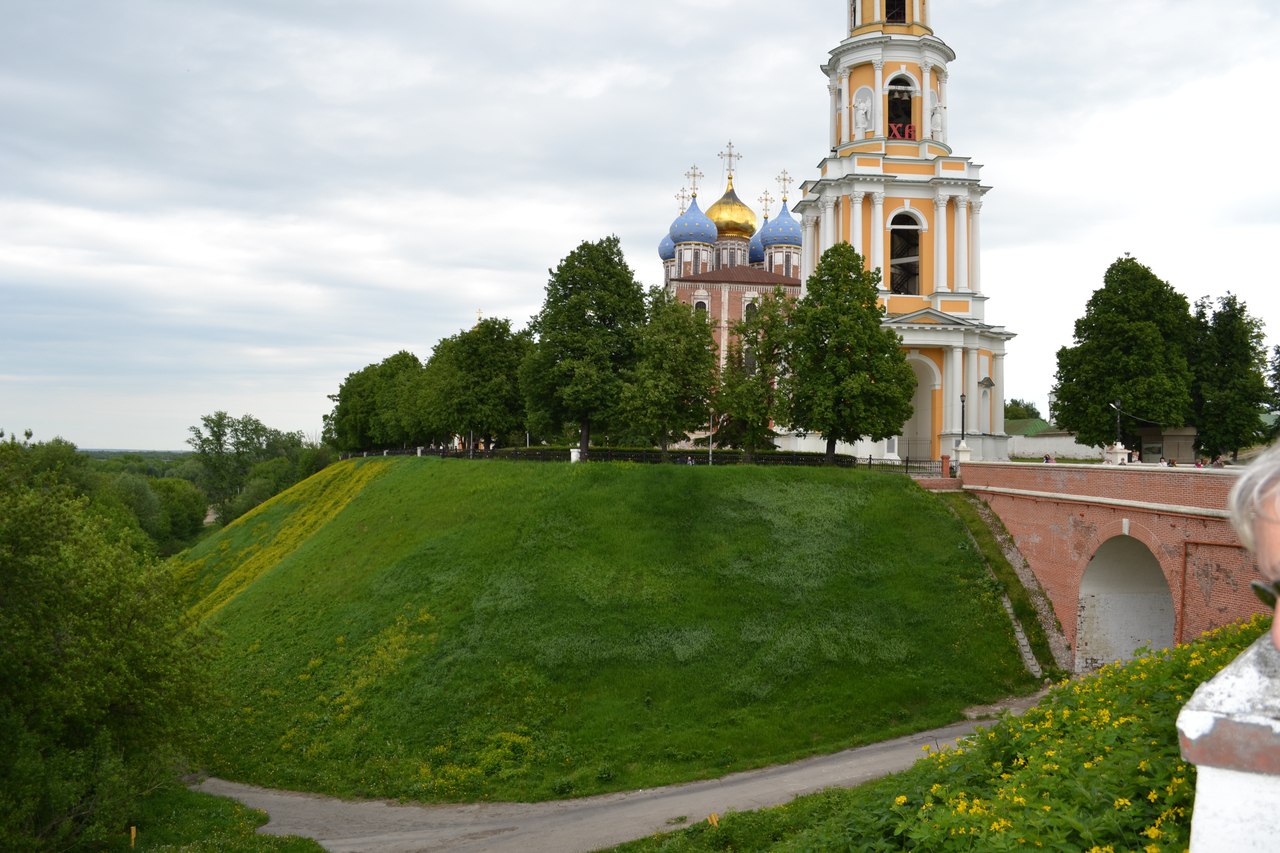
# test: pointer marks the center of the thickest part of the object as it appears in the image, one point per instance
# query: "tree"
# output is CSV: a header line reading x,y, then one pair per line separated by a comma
x,y
586,339
472,382
668,392
1273,382
1230,364
228,448
101,669
1018,410
378,406
1130,346
749,399
848,376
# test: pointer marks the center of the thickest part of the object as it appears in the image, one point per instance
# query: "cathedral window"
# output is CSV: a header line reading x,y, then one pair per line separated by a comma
x,y
904,255
901,106
895,11
786,259
700,307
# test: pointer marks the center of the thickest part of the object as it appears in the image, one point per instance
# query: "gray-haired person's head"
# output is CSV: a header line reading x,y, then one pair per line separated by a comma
x,y
1257,492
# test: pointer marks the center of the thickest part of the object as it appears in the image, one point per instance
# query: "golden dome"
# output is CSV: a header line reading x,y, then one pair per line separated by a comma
x,y
731,216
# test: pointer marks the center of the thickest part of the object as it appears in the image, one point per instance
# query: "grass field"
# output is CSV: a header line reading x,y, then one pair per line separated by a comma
x,y
442,630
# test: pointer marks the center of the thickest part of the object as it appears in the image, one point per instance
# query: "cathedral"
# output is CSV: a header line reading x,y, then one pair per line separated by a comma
x,y
890,185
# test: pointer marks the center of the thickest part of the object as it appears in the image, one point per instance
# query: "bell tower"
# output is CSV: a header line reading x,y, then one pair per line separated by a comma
x,y
891,185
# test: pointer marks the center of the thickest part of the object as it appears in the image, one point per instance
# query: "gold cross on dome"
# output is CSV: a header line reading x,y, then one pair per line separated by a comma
x,y
683,198
785,181
729,156
694,176
765,200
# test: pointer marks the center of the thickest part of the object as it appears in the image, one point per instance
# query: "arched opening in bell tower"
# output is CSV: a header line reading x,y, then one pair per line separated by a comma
x,y
1125,605
901,115
904,255
895,11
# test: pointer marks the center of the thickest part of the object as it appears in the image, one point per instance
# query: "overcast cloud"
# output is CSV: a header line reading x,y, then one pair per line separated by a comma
x,y
226,204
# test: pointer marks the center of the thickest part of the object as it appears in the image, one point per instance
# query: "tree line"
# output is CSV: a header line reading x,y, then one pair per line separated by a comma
x,y
102,670
605,357
1140,347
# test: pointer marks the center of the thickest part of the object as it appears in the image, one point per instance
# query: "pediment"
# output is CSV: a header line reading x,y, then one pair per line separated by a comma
x,y
931,317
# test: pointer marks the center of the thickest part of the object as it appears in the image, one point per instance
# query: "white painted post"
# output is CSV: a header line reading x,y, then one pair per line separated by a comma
x,y
1230,729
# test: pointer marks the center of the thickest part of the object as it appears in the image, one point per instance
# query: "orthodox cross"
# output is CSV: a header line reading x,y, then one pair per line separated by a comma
x,y
785,181
729,157
694,176
683,198
765,200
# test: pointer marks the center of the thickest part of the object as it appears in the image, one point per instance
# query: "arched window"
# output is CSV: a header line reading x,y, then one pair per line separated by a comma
x,y
901,108
700,307
904,255
895,11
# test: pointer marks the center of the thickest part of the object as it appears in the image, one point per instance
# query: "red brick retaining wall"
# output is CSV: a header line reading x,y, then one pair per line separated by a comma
x,y
1178,513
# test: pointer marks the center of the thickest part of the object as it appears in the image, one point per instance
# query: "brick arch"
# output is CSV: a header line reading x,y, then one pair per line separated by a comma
x,y
1061,515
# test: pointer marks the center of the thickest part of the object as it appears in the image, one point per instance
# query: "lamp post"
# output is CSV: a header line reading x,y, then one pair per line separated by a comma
x,y
1116,454
962,420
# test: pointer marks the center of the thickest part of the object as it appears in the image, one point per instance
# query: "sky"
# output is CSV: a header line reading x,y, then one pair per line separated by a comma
x,y
232,204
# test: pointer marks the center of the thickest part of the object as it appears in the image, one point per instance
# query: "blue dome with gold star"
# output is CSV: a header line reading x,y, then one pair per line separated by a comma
x,y
781,231
756,248
693,226
667,248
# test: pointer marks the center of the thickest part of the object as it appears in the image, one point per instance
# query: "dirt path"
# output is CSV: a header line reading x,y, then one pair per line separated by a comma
x,y
575,825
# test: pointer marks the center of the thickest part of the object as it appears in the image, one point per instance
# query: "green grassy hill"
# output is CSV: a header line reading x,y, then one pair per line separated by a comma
x,y
445,630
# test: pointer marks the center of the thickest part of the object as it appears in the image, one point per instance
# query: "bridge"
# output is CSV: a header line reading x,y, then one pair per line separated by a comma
x,y
1130,555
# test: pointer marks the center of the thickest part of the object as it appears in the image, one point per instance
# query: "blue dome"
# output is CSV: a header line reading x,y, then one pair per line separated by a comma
x,y
782,231
667,248
693,226
756,246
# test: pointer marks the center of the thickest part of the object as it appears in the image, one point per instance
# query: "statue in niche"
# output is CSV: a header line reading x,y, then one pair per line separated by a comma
x,y
935,121
862,112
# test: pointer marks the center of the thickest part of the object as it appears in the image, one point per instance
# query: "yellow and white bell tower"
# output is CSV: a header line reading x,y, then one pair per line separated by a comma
x,y
891,186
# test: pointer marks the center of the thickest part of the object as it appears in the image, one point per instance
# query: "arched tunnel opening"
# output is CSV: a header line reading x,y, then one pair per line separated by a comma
x,y
1125,605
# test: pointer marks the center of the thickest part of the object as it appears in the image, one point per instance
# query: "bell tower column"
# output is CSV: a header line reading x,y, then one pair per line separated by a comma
x,y
962,244
940,244
855,224
846,103
877,232
834,90
926,84
828,223
975,280
877,99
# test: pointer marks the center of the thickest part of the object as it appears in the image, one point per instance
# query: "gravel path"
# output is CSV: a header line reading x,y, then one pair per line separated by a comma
x,y
576,825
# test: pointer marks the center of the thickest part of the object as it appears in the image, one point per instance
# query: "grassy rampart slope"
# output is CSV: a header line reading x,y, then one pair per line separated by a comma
x,y
447,630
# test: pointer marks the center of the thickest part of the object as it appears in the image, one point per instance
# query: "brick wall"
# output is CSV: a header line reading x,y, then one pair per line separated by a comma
x,y
1180,522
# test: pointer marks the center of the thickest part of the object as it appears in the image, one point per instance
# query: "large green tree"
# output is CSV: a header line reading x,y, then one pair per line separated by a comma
x,y
228,449
378,406
1130,346
587,335
1230,364
848,377
471,385
668,392
750,399
100,668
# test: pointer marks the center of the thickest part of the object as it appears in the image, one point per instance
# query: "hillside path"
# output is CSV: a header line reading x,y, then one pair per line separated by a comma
x,y
592,823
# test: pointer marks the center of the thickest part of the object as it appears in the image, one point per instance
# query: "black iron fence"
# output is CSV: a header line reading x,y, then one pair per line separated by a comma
x,y
910,467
